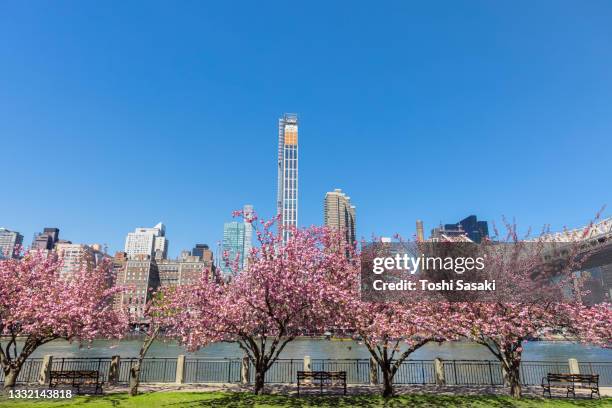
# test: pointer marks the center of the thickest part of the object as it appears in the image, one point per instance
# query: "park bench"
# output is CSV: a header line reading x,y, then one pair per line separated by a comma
x,y
77,379
570,382
321,379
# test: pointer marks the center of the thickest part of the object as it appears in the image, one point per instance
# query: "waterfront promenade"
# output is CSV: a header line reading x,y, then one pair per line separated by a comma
x,y
352,389
360,372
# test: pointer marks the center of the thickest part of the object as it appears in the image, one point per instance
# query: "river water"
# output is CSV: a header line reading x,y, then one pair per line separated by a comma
x,y
332,349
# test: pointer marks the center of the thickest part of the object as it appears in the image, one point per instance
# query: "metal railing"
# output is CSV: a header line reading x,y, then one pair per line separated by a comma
x,y
282,371
532,372
212,371
603,369
473,372
202,370
357,370
414,372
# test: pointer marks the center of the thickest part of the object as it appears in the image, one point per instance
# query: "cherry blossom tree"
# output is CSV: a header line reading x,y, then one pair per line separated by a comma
x,y
37,306
287,289
391,326
156,316
523,308
392,331
159,316
504,328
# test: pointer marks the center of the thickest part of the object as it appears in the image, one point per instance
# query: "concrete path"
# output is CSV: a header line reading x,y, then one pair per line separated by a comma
x,y
352,389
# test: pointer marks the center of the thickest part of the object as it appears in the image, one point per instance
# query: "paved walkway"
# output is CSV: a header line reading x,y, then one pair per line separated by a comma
x,y
352,389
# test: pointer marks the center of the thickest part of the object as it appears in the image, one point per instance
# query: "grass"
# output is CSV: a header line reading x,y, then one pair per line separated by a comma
x,y
242,399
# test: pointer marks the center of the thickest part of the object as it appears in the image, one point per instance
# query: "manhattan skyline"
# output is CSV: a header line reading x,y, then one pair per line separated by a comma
x,y
416,112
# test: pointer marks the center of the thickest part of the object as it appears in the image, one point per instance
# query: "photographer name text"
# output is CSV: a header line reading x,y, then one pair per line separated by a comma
x,y
444,285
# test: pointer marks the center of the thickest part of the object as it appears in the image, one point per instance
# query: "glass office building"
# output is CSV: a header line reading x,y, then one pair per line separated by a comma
x,y
232,258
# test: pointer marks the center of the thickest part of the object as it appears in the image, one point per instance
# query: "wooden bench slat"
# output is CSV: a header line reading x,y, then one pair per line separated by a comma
x,y
76,378
321,379
570,382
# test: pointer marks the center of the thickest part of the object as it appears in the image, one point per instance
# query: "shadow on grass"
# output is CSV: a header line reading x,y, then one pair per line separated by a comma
x,y
190,399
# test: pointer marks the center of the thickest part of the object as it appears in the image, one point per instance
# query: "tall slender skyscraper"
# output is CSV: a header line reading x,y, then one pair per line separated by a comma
x,y
287,195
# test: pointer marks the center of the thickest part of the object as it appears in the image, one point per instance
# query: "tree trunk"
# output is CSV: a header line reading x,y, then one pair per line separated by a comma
x,y
260,376
387,383
135,370
514,379
12,366
134,379
10,377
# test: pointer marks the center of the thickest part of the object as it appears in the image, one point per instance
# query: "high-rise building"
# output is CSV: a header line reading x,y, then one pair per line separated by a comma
x,y
233,247
287,193
46,240
468,229
420,234
140,276
339,213
474,229
119,261
169,271
203,251
248,232
9,242
193,269
160,248
147,241
78,256
187,270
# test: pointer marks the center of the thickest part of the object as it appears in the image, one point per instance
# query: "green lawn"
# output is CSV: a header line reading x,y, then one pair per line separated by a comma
x,y
221,399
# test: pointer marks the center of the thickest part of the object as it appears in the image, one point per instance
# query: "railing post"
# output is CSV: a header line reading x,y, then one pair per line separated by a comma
x,y
373,371
307,366
439,370
45,370
114,370
245,374
574,368
180,369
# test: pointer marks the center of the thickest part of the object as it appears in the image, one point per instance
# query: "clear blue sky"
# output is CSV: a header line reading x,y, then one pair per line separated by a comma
x,y
115,115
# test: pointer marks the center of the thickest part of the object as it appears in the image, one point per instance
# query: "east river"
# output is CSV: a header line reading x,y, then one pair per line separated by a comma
x,y
327,349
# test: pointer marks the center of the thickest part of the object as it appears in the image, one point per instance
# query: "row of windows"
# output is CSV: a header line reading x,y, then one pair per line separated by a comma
x,y
291,153
290,194
292,164
289,215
